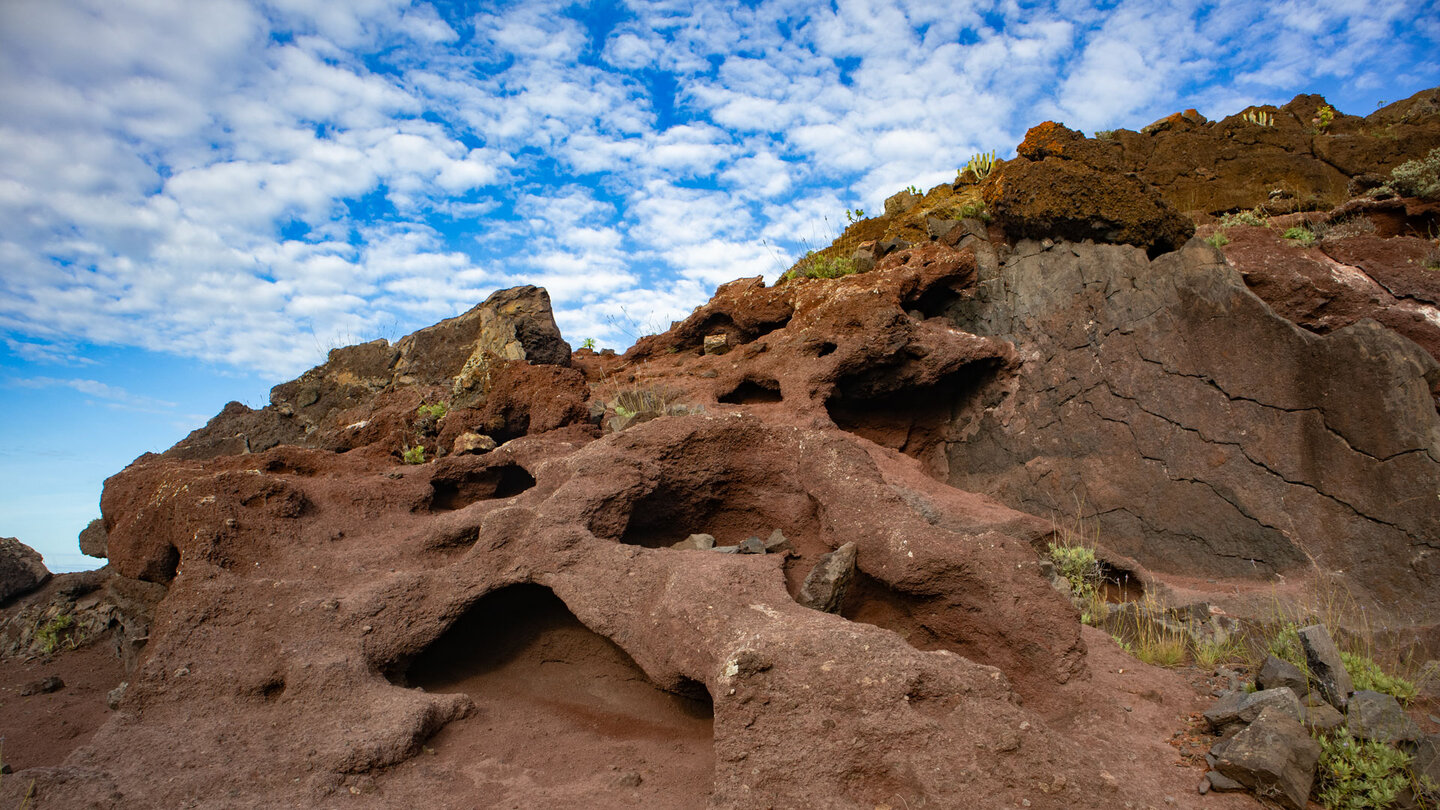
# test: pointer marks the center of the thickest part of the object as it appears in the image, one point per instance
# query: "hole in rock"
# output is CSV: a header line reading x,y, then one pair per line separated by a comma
x,y
470,486
826,348
752,392
934,302
877,405
272,690
735,334
938,623
162,567
721,497
1119,585
564,705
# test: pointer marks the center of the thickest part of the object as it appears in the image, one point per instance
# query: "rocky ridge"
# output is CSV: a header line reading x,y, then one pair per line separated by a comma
x,y
525,616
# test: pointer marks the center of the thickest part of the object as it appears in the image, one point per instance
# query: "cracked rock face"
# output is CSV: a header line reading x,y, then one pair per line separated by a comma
x,y
1204,433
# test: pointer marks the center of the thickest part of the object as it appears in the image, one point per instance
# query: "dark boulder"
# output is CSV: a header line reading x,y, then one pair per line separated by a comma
x,y
22,569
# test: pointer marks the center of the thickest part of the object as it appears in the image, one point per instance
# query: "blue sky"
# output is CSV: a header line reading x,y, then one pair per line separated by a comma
x,y
198,198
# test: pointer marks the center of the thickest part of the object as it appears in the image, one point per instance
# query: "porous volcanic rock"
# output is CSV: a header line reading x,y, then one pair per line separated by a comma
x,y
1202,432
303,575
498,366
1234,164
92,539
22,569
514,627
1070,190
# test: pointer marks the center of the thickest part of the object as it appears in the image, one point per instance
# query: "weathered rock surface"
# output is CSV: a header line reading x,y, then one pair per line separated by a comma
x,y
1280,699
1229,451
92,539
1273,756
590,530
1276,672
22,569
311,590
825,586
1061,186
1377,716
500,366
1233,164
1342,280
1326,667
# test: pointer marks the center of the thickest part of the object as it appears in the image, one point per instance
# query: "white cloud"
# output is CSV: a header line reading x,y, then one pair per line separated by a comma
x,y
242,182
94,388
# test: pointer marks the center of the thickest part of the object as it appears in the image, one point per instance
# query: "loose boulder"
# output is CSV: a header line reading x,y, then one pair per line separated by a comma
x,y
1377,716
92,539
1326,665
825,585
22,569
1274,756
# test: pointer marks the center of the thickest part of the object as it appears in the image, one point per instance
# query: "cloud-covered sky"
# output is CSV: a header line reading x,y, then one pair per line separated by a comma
x,y
198,198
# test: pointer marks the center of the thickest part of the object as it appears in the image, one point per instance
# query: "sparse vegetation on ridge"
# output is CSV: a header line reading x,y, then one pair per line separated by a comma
x,y
1304,236
979,166
816,265
1415,178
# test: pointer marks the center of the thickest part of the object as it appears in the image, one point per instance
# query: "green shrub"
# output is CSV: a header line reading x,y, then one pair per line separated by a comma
x,y
1217,240
1324,116
49,636
1078,566
433,412
1357,774
914,190
1304,236
1255,216
1367,674
854,216
975,210
1416,178
413,455
814,265
1104,134
1285,645
588,343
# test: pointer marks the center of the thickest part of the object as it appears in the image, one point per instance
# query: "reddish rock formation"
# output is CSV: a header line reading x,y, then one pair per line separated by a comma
x,y
1063,186
512,623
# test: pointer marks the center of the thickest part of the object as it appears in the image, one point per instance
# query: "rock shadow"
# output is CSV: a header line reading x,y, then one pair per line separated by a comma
x,y
913,419
460,488
564,704
752,392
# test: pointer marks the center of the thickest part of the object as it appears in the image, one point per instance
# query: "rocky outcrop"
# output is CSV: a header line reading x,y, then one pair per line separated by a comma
x,y
1287,162
303,574
1352,273
92,539
1200,431
496,367
22,569
1061,186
